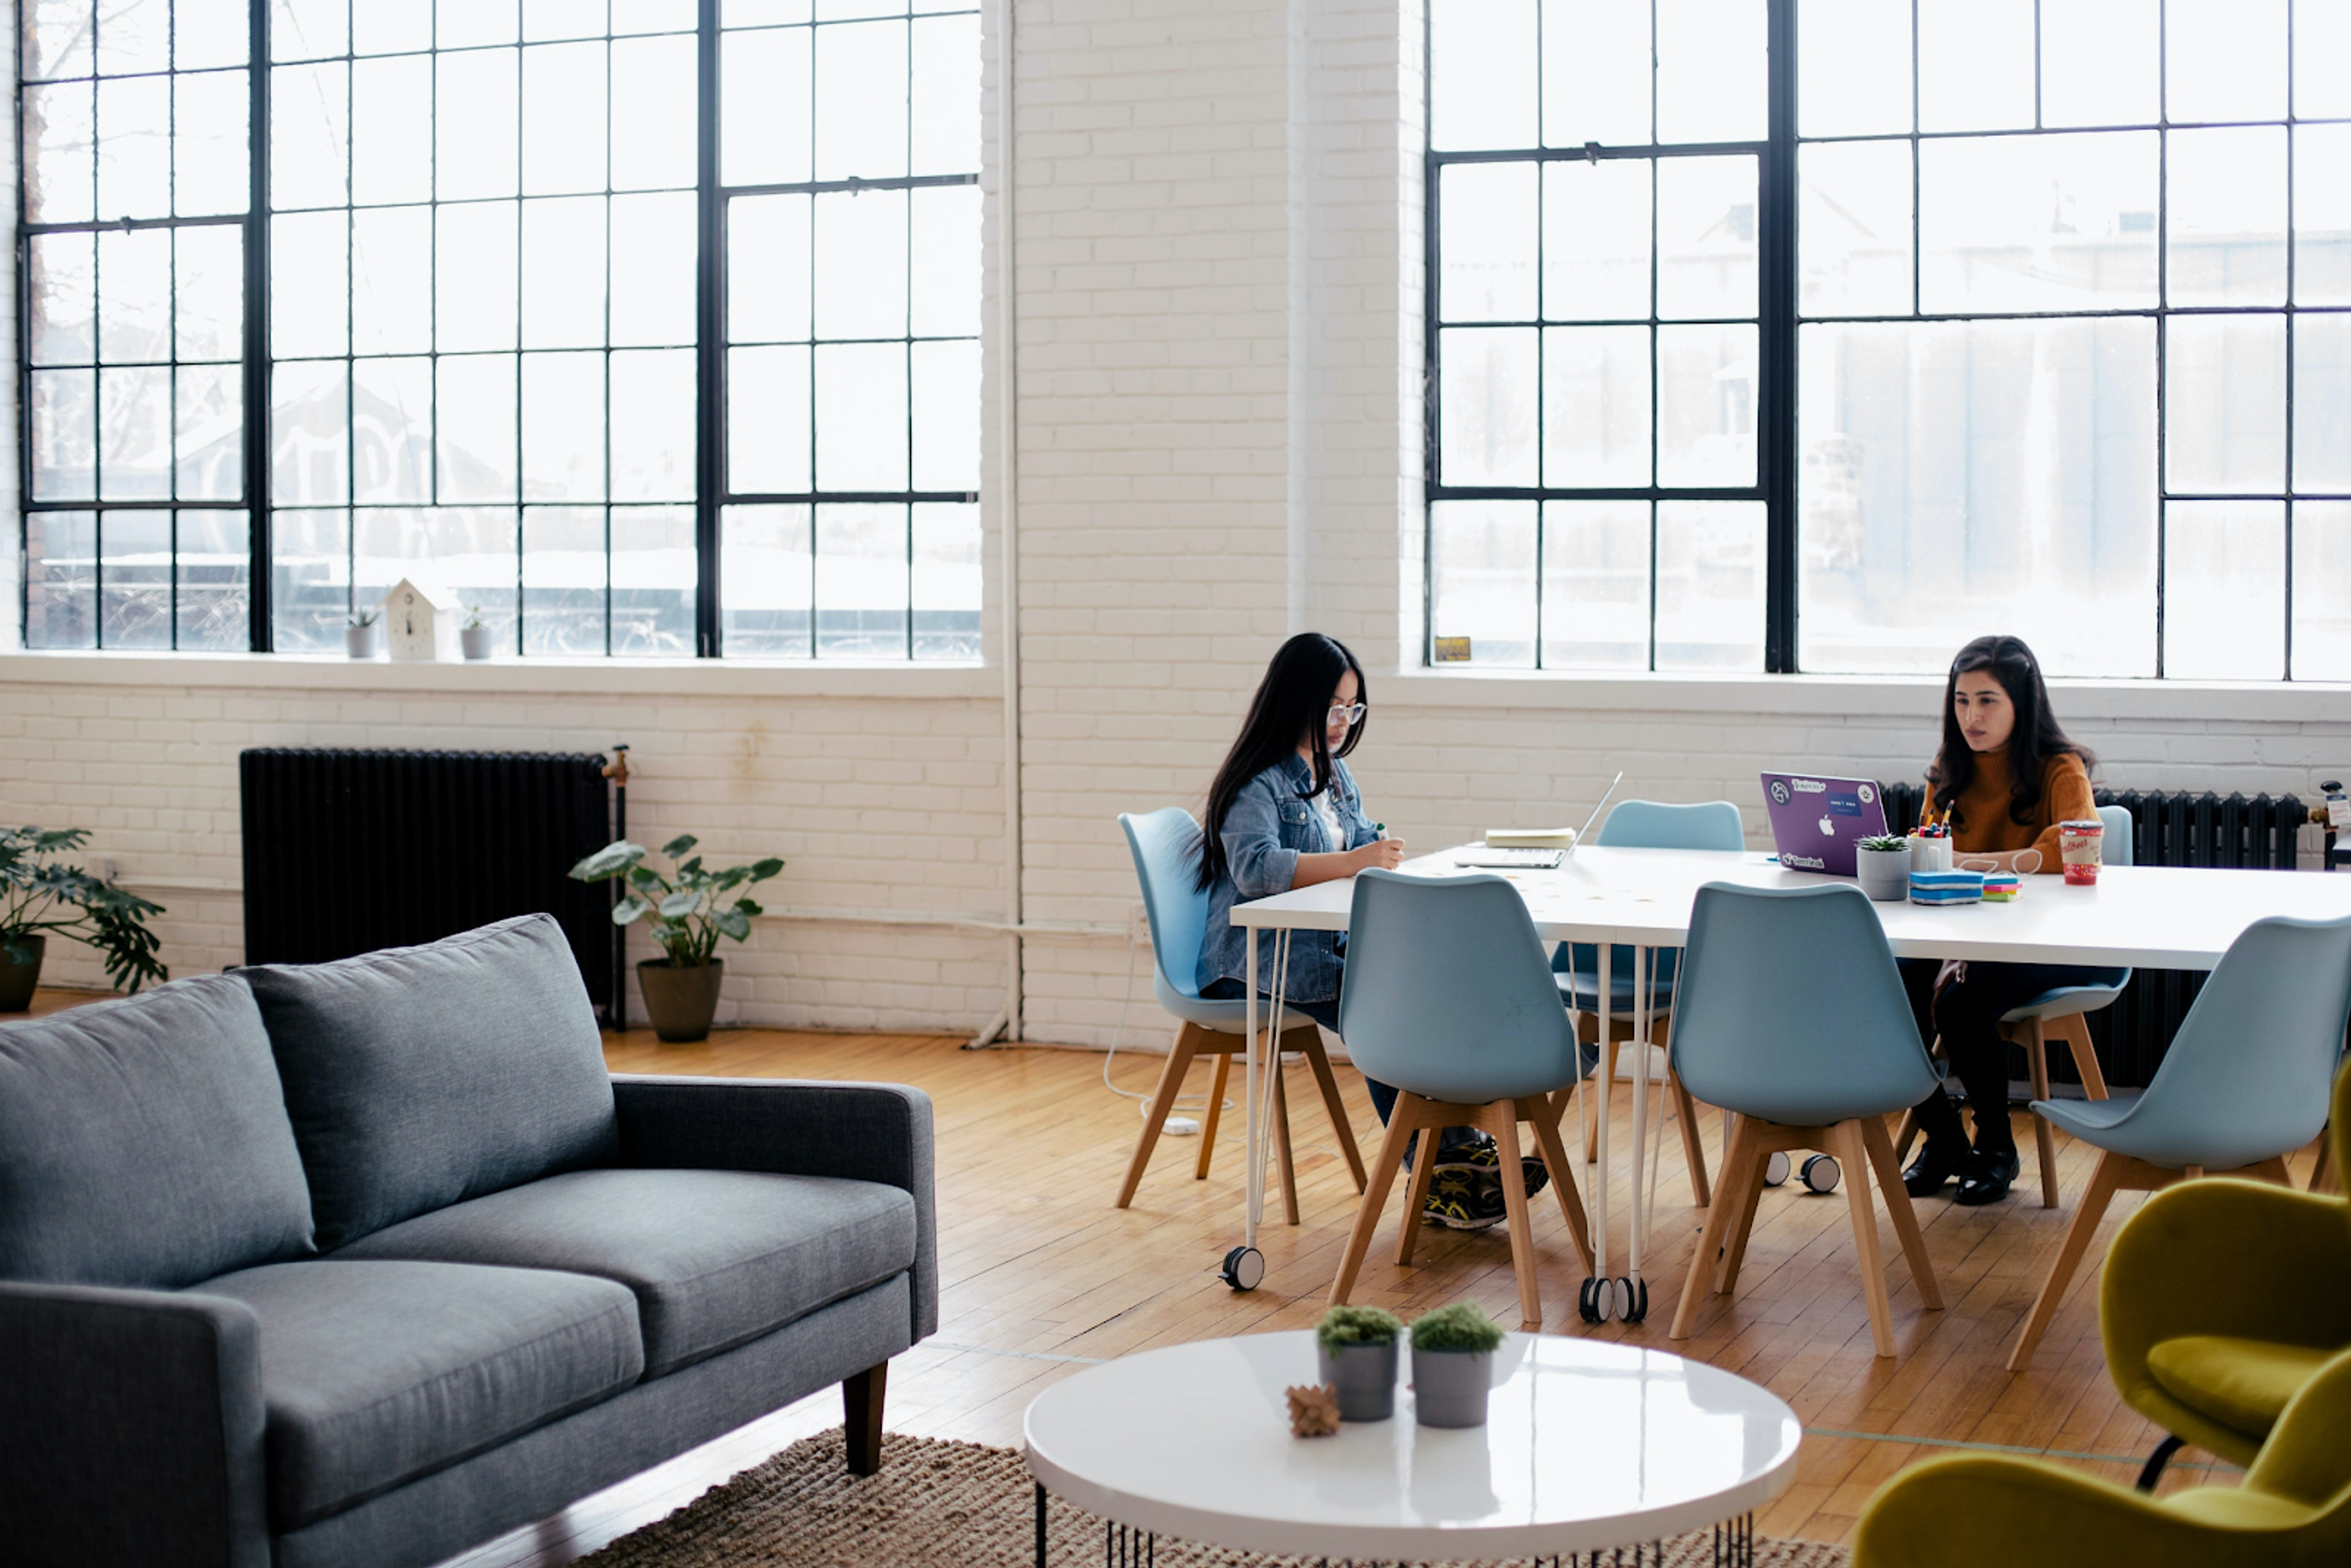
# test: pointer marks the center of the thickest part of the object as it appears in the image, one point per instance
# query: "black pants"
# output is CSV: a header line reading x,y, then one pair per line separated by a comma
x,y
1966,1014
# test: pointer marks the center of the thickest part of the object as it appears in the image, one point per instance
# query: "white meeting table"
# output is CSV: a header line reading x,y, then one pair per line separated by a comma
x,y
2158,917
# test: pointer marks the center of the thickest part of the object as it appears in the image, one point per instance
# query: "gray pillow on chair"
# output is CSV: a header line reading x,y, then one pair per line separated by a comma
x,y
418,1077
144,1143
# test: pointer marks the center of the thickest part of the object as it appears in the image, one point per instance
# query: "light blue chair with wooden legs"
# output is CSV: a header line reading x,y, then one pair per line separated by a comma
x,y
1792,1017
2059,1013
1165,843
1642,825
1448,997
2245,1083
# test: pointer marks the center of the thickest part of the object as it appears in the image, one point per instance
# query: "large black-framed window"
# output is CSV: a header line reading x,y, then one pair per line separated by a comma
x,y
478,292
2050,334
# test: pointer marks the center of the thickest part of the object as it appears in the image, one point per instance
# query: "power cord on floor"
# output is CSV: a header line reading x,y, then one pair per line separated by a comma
x,y
1177,1126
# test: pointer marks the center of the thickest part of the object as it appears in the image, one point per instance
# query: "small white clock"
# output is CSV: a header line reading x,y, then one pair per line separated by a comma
x,y
419,620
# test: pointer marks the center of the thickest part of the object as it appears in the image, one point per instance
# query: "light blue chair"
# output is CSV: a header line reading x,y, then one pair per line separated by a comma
x,y
1450,999
2059,1012
1792,1014
1641,825
1165,844
2245,1083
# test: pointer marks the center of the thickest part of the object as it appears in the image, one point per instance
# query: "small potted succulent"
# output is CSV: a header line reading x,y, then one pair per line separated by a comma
x,y
475,636
1883,864
1356,1349
1453,1365
689,914
38,896
363,638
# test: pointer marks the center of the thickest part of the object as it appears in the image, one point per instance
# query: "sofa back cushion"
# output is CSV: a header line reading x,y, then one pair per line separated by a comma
x,y
144,1141
418,1077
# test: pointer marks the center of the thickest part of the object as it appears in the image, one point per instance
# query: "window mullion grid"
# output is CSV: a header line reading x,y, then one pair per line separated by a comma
x,y
710,347
2163,330
260,523
1776,466
1543,350
2290,336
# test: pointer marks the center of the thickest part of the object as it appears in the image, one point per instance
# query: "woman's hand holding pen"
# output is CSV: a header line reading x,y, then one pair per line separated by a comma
x,y
1384,853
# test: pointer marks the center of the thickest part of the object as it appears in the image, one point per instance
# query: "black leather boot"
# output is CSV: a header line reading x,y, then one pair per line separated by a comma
x,y
1947,1148
1986,1175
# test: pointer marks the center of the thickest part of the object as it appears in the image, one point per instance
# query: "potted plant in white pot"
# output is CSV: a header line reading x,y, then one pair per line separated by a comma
x,y
1453,1365
39,895
475,636
689,913
1881,864
1355,1352
363,638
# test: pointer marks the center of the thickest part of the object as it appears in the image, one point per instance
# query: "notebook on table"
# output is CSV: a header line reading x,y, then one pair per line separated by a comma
x,y
1817,820
1522,849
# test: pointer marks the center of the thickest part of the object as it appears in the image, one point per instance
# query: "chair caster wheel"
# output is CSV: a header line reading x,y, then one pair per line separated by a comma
x,y
1775,1169
1821,1173
1632,1300
1243,1268
1594,1299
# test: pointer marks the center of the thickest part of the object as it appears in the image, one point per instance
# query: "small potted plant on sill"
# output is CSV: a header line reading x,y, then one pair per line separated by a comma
x,y
37,892
1356,1349
1883,864
1453,1365
363,638
689,913
475,636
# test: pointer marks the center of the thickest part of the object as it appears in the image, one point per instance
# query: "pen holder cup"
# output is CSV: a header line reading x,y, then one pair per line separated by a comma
x,y
1929,855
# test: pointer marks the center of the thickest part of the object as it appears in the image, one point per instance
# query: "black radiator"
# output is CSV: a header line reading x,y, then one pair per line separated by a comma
x,y
346,851
2166,829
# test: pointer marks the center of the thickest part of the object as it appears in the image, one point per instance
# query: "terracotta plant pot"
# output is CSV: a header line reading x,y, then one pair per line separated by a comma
x,y
17,980
681,1002
1365,1376
1449,1387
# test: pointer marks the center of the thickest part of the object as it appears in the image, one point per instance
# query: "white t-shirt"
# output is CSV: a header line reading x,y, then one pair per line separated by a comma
x,y
1328,811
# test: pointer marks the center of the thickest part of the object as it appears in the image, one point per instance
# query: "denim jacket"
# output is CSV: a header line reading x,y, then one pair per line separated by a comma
x,y
1268,826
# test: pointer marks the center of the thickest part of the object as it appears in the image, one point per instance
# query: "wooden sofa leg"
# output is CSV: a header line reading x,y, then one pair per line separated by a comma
x,y
860,1417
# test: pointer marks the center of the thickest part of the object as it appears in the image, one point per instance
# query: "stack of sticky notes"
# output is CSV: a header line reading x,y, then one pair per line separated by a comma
x,y
2002,887
1947,887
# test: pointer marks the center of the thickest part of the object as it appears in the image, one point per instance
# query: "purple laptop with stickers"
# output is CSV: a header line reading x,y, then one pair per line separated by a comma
x,y
1817,820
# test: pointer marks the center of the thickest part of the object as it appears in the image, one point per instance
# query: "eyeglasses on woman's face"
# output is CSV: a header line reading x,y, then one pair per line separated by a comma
x,y
1347,714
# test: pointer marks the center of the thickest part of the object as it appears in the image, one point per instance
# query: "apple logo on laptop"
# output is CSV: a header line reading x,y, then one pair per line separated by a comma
x,y
1828,827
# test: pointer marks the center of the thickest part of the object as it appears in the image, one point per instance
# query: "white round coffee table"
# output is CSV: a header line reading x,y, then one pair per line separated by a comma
x,y
1587,1446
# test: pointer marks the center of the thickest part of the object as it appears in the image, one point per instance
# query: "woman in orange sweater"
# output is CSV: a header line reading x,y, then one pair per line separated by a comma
x,y
2006,777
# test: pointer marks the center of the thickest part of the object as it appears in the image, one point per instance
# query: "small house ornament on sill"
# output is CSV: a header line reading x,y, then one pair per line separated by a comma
x,y
420,620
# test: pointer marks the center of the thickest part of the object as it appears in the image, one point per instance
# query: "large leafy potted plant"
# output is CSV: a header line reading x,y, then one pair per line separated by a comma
x,y
689,912
40,894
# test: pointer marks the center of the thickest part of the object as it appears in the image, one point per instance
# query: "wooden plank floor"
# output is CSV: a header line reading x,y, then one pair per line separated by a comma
x,y
1041,1276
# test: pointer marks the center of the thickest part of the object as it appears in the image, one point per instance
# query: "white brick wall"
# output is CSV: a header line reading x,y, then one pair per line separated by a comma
x,y
1219,428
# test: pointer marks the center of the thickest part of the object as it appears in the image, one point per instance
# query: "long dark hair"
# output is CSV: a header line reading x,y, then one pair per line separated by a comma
x,y
1291,704
2034,740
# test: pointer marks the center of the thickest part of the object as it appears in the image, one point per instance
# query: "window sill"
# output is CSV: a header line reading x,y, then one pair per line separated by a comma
x,y
1901,696
599,677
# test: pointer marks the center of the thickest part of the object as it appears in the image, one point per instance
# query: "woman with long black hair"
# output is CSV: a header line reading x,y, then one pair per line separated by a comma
x,y
1283,813
2006,775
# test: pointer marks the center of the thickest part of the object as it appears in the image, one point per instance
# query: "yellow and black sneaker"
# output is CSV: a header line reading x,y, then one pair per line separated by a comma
x,y
1479,1157
1461,1201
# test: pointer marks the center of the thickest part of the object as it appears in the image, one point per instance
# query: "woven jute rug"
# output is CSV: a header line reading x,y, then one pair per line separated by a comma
x,y
953,1505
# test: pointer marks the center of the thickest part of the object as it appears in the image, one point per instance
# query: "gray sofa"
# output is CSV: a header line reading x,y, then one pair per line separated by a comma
x,y
363,1263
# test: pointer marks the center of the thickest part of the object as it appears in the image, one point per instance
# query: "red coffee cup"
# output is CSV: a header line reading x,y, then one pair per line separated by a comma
x,y
2083,846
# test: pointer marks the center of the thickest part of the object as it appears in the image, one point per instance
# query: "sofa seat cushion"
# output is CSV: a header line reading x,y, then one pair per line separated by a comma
x,y
716,1258
420,1076
374,1374
144,1141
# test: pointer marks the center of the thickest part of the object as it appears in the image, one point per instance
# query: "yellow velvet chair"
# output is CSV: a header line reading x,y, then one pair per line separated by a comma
x,y
2294,1510
2222,1299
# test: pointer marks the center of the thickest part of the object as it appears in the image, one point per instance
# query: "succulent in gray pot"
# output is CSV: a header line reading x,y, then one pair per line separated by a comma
x,y
39,895
363,638
475,637
1882,865
1453,1365
689,913
1355,1353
